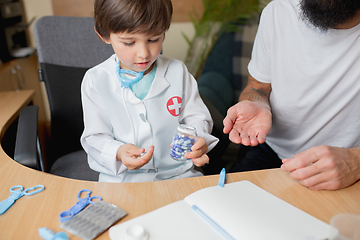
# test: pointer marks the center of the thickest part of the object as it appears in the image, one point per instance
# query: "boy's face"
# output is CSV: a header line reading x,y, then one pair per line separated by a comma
x,y
136,51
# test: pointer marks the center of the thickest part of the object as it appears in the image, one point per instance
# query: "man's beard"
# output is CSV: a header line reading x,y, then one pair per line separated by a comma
x,y
326,14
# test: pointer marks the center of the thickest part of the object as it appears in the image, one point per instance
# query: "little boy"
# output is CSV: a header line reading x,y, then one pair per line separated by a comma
x,y
136,99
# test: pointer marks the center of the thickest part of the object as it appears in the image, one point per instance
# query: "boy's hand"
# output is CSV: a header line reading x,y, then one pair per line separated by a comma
x,y
130,156
198,154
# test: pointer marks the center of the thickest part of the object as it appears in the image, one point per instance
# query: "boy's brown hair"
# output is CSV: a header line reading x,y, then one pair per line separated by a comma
x,y
145,16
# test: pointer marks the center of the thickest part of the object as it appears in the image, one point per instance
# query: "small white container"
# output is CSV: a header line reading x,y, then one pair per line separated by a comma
x,y
346,226
136,232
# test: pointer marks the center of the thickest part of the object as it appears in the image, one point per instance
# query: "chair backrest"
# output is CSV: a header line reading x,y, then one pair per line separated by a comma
x,y
67,47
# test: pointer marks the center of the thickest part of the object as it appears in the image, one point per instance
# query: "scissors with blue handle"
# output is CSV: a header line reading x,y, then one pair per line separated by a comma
x,y
80,205
16,193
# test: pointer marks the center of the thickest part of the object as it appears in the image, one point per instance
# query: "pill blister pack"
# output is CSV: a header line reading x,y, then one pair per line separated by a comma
x,y
93,220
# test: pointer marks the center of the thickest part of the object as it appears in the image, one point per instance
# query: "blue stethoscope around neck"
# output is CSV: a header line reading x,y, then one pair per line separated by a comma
x,y
127,82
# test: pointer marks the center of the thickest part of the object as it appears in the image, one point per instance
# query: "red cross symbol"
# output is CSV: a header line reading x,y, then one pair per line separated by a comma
x,y
173,105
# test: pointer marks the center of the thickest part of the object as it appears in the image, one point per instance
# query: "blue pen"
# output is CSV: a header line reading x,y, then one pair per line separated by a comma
x,y
222,178
207,218
212,223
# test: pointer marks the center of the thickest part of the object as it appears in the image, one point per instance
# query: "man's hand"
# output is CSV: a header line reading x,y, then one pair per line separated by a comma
x,y
130,155
325,167
248,123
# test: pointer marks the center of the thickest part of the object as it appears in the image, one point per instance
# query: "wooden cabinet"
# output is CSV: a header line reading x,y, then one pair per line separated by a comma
x,y
22,73
85,8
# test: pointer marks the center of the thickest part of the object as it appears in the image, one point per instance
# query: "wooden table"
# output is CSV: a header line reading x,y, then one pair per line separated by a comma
x,y
11,103
30,213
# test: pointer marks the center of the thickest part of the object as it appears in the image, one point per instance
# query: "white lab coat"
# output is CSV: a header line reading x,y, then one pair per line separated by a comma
x,y
114,116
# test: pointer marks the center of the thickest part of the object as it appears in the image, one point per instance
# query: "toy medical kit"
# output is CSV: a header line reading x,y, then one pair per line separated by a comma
x,y
94,220
184,139
127,82
80,205
222,178
47,234
16,193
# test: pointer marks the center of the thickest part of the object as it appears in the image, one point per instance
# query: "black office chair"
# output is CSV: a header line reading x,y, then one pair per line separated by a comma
x,y
67,47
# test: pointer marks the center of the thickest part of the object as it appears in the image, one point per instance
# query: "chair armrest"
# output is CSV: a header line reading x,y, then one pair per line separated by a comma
x,y
26,151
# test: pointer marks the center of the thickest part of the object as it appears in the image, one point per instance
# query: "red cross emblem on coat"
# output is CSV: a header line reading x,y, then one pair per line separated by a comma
x,y
173,105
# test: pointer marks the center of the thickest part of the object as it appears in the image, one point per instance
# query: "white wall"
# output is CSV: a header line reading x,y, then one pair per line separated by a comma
x,y
37,9
175,45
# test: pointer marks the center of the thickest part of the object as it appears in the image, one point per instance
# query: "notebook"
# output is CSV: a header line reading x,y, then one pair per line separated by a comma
x,y
241,209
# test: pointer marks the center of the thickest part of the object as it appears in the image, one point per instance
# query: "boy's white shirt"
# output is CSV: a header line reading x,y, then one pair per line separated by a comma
x,y
114,116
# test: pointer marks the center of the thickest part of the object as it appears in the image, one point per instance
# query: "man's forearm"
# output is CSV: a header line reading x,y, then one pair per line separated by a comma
x,y
256,91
